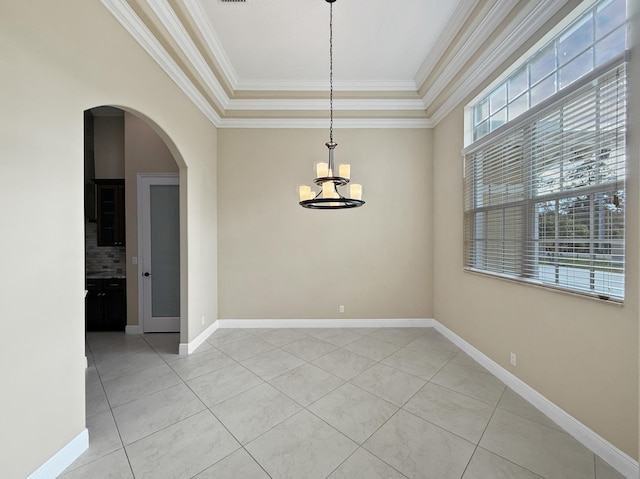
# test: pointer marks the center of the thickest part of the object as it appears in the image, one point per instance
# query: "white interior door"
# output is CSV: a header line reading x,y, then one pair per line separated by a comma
x,y
159,252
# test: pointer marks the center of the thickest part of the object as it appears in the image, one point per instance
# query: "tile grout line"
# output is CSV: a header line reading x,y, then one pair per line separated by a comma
x,y
367,451
206,408
401,408
390,417
264,381
305,408
452,360
184,381
257,462
477,445
67,470
361,445
124,449
491,452
534,422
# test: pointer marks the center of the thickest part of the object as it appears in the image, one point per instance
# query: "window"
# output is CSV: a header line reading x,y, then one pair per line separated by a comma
x,y
593,39
545,195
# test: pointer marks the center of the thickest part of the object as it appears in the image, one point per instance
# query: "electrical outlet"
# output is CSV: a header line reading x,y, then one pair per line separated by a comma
x,y
341,308
203,320
513,359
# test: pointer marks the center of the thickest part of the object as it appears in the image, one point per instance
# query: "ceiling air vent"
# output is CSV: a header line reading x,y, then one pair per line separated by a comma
x,y
232,1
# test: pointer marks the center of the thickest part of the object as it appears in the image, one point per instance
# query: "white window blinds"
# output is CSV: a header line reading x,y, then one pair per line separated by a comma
x,y
544,196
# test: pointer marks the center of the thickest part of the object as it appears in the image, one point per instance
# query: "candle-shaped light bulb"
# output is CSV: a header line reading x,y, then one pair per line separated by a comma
x,y
355,191
312,194
304,192
322,170
345,171
328,190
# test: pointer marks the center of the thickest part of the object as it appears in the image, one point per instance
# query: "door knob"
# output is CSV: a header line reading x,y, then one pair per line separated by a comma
x,y
146,274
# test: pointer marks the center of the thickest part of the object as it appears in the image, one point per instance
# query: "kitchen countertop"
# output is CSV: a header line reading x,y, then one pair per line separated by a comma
x,y
104,276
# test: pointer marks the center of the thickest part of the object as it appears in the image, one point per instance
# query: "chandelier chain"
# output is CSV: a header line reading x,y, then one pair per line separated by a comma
x,y
331,70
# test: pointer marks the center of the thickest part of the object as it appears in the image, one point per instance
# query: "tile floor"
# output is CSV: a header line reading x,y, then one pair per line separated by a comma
x,y
366,403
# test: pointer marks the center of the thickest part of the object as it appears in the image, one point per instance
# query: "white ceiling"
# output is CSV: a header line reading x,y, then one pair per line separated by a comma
x,y
267,42
265,63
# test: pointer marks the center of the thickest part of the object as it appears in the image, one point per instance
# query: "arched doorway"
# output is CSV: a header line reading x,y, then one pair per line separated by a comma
x,y
120,146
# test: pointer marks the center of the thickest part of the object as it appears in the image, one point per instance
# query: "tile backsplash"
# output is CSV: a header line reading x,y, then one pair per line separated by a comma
x,y
103,261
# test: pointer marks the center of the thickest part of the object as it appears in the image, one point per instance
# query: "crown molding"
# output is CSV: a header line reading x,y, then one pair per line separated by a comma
x,y
451,29
322,85
485,67
315,105
321,123
200,18
170,20
487,26
123,13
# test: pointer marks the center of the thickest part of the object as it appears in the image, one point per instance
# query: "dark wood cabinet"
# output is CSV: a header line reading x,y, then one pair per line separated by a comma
x,y
106,305
93,305
110,212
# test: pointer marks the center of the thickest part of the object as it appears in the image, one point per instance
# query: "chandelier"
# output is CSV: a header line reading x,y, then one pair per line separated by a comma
x,y
329,197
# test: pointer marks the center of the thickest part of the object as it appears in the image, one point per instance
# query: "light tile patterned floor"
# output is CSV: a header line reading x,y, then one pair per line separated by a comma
x,y
368,403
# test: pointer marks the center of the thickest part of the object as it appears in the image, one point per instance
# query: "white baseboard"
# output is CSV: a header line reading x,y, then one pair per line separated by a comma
x,y
63,458
619,460
132,329
188,348
326,323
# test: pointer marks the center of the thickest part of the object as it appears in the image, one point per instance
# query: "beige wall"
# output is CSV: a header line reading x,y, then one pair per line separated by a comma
x,y
279,260
581,354
144,152
58,59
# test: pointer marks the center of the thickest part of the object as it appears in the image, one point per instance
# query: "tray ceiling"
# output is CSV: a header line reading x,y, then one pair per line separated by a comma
x,y
263,63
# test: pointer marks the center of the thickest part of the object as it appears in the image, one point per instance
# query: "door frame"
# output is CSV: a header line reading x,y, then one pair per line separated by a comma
x,y
144,182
